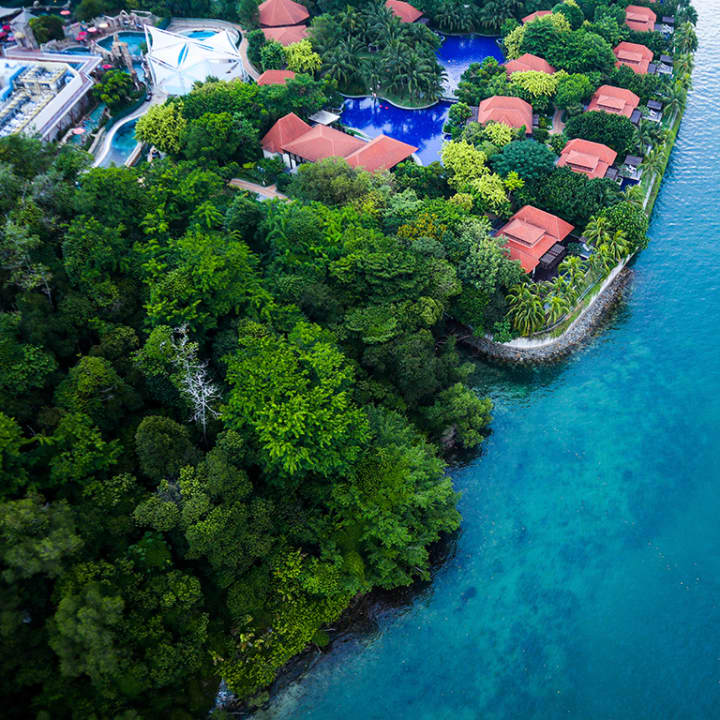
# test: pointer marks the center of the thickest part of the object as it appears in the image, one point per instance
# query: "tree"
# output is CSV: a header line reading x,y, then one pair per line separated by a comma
x,y
615,131
464,162
47,27
529,159
289,396
331,181
300,57
114,88
163,447
36,537
526,308
558,305
572,90
162,126
490,194
272,56
220,137
19,250
631,219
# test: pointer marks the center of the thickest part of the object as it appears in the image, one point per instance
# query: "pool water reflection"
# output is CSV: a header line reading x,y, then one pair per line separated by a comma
x,y
458,52
422,128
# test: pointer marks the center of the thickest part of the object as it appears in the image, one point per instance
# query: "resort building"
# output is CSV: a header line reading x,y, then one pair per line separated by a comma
x,y
616,101
534,238
589,158
534,16
403,10
42,93
279,13
296,142
275,77
178,61
287,35
635,56
529,62
640,19
511,111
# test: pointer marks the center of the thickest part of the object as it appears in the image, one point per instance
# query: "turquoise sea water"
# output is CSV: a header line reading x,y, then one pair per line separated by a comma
x,y
586,579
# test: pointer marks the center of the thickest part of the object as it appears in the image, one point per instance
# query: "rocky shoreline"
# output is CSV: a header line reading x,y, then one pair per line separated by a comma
x,y
566,343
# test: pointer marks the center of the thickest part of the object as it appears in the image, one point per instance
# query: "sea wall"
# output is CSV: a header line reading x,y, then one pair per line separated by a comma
x,y
570,340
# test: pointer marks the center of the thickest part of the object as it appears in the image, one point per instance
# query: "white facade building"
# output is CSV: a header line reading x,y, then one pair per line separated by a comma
x,y
178,61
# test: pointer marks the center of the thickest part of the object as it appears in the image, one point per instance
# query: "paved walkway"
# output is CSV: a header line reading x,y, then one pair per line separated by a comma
x,y
557,124
270,192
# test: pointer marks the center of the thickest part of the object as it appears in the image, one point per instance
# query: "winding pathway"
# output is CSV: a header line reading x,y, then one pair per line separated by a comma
x,y
270,192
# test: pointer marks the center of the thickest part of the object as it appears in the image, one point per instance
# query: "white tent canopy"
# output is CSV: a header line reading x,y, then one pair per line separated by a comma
x,y
178,61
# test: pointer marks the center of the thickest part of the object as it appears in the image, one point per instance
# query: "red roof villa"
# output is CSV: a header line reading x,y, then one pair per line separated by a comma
x,y
287,35
511,111
405,11
640,19
534,16
275,77
637,57
589,158
614,100
529,62
277,13
298,142
531,233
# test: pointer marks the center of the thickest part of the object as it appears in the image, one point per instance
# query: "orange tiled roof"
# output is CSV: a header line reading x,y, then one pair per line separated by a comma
x,y
640,18
286,35
614,100
531,232
589,158
285,130
323,142
405,11
635,56
511,111
534,16
275,13
275,77
529,62
381,153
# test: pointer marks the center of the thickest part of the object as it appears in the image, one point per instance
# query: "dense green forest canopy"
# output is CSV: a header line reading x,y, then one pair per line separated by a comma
x,y
221,419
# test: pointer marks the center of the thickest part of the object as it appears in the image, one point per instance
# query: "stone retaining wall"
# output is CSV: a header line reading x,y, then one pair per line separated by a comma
x,y
567,342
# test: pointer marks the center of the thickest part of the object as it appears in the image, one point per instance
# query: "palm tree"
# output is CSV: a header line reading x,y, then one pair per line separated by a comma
x,y
654,162
557,307
340,64
371,71
526,309
616,247
597,229
685,38
675,98
574,269
644,135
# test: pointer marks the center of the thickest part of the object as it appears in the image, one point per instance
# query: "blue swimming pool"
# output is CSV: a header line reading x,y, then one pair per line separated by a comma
x,y
458,52
198,34
134,40
422,128
123,143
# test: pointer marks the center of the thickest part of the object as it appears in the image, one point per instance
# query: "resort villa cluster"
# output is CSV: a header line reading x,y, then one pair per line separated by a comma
x,y
43,91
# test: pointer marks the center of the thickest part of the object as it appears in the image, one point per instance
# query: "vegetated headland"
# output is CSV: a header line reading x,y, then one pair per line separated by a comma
x,y
230,381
